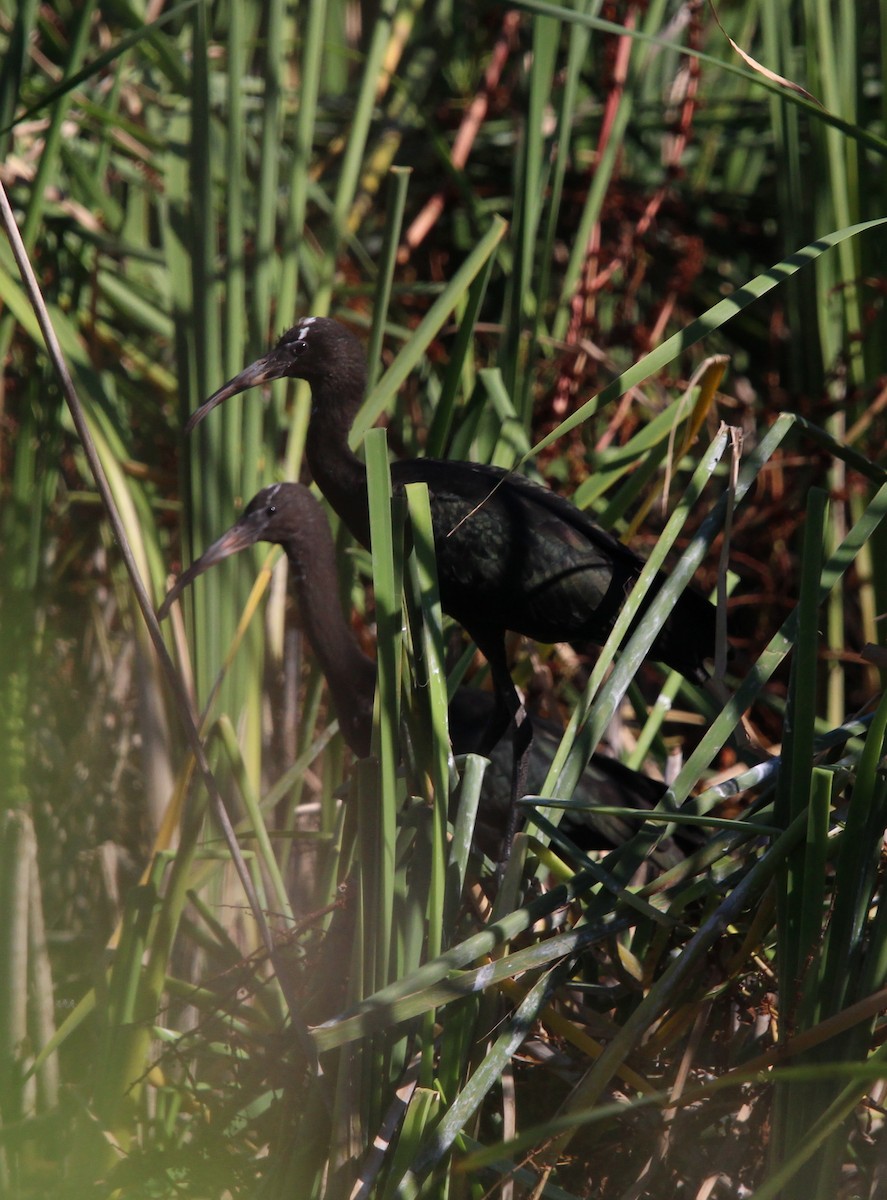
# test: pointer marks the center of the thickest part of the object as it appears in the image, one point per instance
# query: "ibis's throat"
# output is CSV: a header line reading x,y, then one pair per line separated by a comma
x,y
337,470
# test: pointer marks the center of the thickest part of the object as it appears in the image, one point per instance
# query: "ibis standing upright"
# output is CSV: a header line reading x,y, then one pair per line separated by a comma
x,y
511,555
288,515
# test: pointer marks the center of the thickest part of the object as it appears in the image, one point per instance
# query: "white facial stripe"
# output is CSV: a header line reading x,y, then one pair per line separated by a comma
x,y
272,491
304,325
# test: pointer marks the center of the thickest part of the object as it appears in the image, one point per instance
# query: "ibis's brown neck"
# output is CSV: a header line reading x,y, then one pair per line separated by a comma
x,y
351,675
337,470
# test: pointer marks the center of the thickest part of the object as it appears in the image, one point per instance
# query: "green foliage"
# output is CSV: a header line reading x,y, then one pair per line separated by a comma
x,y
633,197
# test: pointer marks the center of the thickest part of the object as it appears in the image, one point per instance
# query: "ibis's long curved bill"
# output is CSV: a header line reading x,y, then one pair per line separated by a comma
x,y
263,370
237,538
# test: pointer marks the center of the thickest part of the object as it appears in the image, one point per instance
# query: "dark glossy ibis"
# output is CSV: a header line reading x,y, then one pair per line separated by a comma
x,y
510,554
288,515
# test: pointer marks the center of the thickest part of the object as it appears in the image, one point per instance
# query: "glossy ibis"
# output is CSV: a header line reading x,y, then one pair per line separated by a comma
x,y
510,554
288,515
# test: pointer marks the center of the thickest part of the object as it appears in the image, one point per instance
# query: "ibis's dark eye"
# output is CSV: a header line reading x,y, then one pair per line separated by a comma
x,y
272,509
